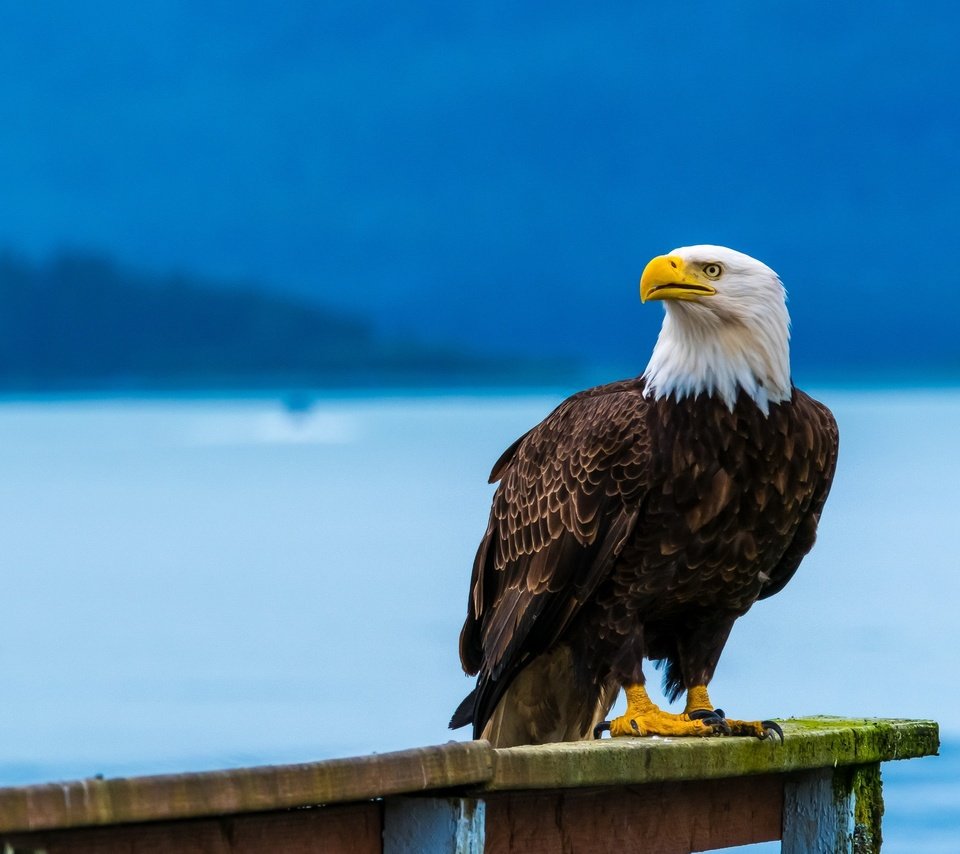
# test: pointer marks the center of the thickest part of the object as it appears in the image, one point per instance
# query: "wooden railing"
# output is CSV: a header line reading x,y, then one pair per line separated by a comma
x,y
818,791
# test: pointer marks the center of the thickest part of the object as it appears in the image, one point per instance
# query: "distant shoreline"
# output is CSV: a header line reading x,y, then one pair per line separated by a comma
x,y
302,396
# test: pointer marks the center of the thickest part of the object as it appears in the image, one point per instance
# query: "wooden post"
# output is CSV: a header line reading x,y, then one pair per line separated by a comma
x,y
435,825
833,810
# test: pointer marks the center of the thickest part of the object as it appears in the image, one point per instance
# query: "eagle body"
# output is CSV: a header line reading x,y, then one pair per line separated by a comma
x,y
636,522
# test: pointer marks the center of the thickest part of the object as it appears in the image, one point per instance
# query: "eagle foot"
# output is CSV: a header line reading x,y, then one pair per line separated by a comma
x,y
660,723
644,717
763,730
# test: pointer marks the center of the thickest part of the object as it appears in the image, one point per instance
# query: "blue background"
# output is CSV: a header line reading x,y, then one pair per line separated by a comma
x,y
495,176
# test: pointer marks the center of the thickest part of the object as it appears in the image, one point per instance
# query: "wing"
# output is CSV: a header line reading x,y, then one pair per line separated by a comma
x,y
569,495
819,464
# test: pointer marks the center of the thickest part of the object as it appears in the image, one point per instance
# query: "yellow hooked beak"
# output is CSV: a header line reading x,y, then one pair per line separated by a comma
x,y
667,277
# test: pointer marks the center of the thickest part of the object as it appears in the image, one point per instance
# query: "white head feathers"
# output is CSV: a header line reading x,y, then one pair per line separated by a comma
x,y
726,327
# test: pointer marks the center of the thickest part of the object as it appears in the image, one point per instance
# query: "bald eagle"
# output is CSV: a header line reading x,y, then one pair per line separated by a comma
x,y
642,518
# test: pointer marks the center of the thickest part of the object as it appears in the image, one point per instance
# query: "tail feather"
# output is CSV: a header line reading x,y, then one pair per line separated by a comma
x,y
672,678
544,703
465,711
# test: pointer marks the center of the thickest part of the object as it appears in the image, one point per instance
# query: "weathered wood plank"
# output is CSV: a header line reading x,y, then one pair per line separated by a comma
x,y
176,796
353,829
809,743
670,818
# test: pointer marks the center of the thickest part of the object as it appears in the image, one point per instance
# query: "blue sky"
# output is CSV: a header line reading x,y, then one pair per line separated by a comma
x,y
497,176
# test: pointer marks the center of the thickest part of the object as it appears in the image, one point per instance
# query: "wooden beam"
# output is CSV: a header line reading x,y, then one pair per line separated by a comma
x,y
353,829
670,818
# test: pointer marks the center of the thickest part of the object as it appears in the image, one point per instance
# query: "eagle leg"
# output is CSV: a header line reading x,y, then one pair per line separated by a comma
x,y
699,707
644,717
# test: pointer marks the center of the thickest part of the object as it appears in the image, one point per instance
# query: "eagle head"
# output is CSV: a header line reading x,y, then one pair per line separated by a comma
x,y
725,329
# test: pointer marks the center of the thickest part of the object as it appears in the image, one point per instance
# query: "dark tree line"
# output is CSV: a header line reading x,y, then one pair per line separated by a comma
x,y
83,321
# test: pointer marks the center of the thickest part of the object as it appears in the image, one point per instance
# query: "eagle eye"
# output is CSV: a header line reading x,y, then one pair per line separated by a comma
x,y
712,271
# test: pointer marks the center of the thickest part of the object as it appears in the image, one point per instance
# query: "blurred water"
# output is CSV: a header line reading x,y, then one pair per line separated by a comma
x,y
197,584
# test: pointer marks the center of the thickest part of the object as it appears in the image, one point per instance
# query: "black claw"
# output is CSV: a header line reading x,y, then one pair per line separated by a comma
x,y
601,728
712,718
705,715
771,729
634,727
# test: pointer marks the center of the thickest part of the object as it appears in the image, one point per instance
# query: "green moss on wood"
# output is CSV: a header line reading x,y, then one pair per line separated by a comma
x,y
867,810
809,743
